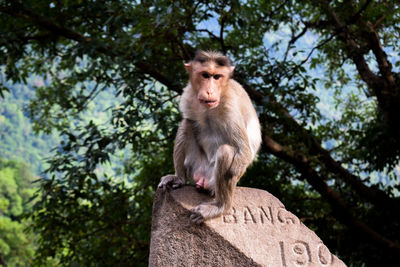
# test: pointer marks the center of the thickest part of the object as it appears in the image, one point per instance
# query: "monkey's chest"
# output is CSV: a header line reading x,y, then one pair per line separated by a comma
x,y
210,140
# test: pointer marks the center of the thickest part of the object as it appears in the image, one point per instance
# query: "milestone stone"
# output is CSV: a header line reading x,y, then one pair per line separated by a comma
x,y
258,231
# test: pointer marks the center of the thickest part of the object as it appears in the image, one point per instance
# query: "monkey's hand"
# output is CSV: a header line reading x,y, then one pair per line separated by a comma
x,y
170,180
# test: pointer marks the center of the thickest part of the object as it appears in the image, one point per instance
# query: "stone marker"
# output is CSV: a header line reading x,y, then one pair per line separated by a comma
x,y
259,231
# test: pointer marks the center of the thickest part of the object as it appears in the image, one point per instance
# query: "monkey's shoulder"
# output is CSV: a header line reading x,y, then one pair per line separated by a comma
x,y
241,103
237,87
239,94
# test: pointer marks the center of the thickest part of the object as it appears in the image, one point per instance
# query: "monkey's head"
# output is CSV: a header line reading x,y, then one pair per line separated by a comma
x,y
209,74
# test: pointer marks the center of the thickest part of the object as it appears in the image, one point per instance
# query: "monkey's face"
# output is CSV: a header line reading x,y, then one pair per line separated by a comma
x,y
210,81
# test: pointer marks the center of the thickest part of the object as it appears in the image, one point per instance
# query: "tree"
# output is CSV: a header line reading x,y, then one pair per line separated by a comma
x,y
289,54
16,246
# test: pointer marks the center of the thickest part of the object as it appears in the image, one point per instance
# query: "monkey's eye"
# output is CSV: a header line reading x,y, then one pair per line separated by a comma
x,y
205,75
217,76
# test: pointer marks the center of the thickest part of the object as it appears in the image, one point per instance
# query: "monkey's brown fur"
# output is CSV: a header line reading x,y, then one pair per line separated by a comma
x,y
219,135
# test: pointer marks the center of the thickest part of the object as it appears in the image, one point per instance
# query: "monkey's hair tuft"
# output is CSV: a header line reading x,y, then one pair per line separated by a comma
x,y
203,56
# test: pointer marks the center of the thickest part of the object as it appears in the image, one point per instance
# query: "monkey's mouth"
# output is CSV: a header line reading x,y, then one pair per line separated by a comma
x,y
209,103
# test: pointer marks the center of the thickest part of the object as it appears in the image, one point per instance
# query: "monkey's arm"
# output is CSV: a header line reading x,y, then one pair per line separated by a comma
x,y
179,178
184,132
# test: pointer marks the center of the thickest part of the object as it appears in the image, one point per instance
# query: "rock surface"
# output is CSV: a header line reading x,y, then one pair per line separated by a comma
x,y
258,231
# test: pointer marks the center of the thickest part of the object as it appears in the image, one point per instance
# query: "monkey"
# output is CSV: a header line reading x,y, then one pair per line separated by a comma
x,y
218,137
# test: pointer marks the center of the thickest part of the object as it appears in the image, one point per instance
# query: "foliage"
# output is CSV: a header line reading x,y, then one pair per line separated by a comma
x,y
16,246
289,55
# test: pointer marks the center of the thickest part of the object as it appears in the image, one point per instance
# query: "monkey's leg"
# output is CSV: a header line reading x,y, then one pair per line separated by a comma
x,y
224,182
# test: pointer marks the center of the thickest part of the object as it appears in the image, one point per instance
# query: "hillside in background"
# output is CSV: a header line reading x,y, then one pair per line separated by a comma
x,y
18,140
23,155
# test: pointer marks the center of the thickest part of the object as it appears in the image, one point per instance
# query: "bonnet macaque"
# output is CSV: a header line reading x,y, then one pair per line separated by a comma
x,y
219,135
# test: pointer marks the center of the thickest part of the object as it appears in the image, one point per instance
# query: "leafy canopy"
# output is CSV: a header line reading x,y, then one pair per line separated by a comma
x,y
290,55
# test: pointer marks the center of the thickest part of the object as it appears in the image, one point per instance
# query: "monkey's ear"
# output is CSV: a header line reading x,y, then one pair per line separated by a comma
x,y
231,69
188,66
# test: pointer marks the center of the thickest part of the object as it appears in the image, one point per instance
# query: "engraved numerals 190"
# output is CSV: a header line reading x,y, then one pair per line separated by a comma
x,y
300,253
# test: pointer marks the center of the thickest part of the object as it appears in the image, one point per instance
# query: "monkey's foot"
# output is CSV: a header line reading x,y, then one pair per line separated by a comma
x,y
205,211
170,180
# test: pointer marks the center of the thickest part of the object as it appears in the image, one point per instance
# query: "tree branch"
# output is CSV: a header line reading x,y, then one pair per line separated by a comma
x,y
385,67
19,11
383,86
353,19
41,22
372,194
212,35
293,40
353,50
321,44
343,213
